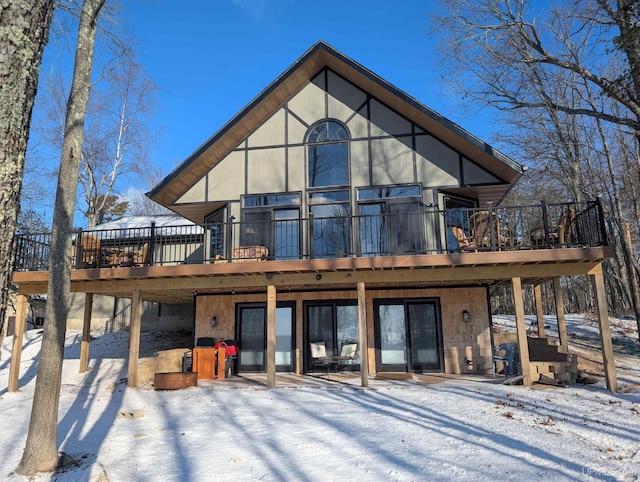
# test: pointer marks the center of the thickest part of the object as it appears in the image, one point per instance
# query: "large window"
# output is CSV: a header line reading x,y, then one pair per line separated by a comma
x,y
331,224
391,220
272,221
328,154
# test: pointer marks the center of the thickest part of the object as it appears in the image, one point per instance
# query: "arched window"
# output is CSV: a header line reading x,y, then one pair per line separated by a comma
x,y
328,148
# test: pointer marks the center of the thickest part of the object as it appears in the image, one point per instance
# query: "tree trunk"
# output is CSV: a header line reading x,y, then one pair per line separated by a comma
x,y
40,454
24,30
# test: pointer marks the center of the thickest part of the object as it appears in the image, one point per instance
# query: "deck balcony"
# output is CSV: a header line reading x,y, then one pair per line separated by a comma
x,y
427,232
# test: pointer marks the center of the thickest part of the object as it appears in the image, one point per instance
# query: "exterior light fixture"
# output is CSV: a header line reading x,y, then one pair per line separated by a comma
x,y
466,316
214,321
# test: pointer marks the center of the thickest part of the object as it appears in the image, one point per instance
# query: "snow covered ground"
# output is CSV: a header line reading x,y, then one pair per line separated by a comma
x,y
460,429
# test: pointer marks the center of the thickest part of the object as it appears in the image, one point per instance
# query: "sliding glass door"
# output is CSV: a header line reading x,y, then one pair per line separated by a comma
x,y
408,335
252,337
332,324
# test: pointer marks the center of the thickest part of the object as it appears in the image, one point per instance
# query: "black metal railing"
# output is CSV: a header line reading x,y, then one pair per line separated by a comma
x,y
543,226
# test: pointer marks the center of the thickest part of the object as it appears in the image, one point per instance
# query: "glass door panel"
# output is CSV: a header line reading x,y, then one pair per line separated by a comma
x,y
320,326
408,336
284,338
286,244
373,236
424,339
333,324
252,339
393,336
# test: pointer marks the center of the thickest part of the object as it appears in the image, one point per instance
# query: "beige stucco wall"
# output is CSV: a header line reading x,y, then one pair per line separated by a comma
x,y
462,341
273,158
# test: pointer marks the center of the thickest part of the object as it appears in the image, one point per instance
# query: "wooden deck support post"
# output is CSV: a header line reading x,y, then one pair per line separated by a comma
x,y
562,324
134,338
271,336
537,293
18,338
86,333
521,328
605,332
362,329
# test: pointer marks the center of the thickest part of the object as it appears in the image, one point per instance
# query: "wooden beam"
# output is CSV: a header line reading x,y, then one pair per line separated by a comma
x,y
86,333
213,281
299,349
134,338
537,292
362,330
271,336
521,328
605,334
562,324
18,338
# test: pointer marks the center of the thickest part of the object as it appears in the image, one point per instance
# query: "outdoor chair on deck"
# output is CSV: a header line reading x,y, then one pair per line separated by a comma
x,y
486,231
319,358
566,227
507,354
140,257
90,255
347,354
464,244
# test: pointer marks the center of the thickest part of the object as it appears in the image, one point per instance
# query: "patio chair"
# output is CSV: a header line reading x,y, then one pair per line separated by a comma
x,y
319,358
486,231
566,227
141,256
348,354
464,244
507,354
90,255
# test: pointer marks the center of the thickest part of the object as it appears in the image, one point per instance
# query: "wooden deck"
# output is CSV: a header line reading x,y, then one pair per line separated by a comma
x,y
177,284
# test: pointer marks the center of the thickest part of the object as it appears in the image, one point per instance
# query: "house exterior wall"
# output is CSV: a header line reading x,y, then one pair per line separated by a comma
x,y
466,345
112,314
385,148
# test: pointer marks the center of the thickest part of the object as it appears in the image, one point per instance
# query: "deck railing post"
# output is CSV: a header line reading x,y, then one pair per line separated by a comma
x,y
152,243
79,249
545,224
229,250
311,235
493,236
603,227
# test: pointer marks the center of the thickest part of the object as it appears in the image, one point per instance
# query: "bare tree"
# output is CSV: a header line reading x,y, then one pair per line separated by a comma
x,y
40,453
117,136
138,203
498,48
24,30
567,79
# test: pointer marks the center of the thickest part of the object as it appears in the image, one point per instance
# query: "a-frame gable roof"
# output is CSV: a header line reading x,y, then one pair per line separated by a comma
x,y
320,56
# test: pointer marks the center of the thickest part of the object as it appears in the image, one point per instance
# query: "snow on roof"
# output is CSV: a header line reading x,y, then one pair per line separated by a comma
x,y
135,226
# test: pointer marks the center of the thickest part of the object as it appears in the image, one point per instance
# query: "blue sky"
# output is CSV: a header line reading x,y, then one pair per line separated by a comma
x,y
211,58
